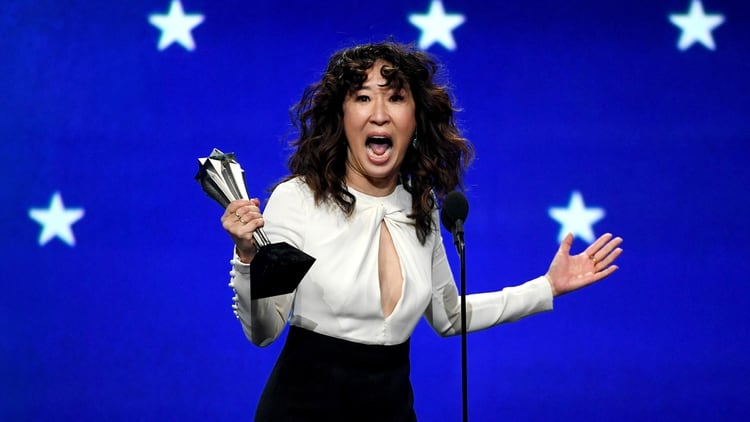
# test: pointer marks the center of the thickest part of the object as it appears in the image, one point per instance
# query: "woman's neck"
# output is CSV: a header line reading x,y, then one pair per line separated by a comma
x,y
371,186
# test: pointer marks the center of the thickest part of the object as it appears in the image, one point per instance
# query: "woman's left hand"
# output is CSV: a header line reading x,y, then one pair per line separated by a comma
x,y
571,272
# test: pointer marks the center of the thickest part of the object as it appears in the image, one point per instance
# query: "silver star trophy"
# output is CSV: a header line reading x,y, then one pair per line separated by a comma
x,y
277,267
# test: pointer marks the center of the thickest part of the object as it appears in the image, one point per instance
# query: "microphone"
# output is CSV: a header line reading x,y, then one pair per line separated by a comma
x,y
453,215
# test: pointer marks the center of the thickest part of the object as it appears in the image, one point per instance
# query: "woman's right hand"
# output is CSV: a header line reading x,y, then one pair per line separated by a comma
x,y
241,218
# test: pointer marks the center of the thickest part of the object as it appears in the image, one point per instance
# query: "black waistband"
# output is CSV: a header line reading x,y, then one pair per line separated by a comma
x,y
344,352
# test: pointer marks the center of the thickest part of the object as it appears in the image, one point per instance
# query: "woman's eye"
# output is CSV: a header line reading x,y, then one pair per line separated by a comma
x,y
396,98
362,98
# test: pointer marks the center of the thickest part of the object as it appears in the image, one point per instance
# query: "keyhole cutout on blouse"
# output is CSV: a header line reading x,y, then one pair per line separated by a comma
x,y
389,272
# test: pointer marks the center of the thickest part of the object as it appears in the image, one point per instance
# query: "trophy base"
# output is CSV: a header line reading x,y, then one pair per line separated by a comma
x,y
277,269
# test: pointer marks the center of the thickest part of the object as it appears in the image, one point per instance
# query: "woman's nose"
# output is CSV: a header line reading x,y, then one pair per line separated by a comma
x,y
379,114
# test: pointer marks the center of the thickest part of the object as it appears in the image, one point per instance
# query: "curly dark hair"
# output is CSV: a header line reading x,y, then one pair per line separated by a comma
x,y
430,170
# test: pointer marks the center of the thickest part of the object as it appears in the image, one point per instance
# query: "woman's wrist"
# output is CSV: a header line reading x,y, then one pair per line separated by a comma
x,y
551,285
246,256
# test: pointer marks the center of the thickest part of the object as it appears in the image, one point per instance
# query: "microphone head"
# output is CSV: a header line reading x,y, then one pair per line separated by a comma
x,y
455,207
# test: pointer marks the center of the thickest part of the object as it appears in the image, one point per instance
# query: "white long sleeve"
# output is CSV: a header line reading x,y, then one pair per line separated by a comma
x,y
340,295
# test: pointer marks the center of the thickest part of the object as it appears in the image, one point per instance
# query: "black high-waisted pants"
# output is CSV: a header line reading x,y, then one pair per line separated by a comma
x,y
322,378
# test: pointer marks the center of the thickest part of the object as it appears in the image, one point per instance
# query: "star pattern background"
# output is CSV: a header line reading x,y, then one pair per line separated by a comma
x,y
696,26
176,26
56,221
131,318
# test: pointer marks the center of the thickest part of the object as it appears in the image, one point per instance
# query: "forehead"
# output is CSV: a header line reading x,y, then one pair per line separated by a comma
x,y
378,65
374,73
375,78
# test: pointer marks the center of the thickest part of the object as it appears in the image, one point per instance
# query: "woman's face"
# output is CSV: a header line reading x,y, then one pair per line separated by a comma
x,y
379,123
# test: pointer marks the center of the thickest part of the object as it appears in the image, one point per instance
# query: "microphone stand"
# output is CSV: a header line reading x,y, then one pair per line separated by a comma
x,y
458,240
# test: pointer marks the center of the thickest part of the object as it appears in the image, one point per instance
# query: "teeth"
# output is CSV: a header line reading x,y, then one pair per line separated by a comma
x,y
379,140
379,146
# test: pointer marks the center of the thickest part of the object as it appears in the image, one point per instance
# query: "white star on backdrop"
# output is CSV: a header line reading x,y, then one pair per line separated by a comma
x,y
56,220
175,26
696,26
576,218
437,26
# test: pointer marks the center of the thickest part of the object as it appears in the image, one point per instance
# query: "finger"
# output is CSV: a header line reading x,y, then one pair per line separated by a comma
x,y
609,247
247,205
249,233
247,212
605,251
239,226
609,259
227,215
566,243
251,215
231,215
240,213
244,233
605,273
235,205
246,221
230,221
249,209
594,247
250,224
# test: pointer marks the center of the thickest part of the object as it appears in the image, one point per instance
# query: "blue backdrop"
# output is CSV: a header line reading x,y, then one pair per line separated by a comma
x,y
592,116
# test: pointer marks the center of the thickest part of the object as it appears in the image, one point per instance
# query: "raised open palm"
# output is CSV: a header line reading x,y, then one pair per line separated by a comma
x,y
571,272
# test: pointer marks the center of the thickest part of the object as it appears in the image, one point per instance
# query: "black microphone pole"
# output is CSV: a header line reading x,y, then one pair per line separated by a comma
x,y
454,213
458,239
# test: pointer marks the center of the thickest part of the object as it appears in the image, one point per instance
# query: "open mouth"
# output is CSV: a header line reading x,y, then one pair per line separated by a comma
x,y
379,147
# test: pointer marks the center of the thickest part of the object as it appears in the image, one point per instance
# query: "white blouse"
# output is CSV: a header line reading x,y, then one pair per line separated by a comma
x,y
340,295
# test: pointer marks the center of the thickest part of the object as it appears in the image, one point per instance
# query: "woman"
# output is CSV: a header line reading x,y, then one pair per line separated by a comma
x,y
378,149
